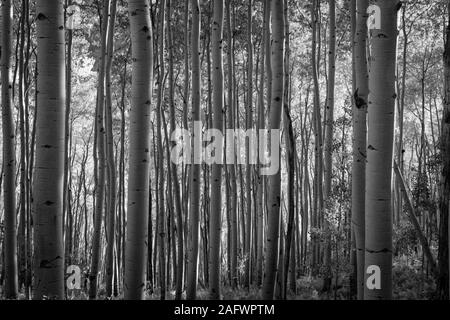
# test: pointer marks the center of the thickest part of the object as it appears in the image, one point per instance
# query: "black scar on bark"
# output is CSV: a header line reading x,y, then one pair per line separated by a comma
x,y
41,16
384,250
359,102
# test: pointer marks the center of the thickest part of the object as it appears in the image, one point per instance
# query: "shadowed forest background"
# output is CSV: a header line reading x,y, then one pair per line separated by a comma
x,y
92,91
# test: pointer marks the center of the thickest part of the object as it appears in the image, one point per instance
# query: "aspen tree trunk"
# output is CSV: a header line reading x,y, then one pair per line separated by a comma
x,y
195,168
186,169
121,202
380,153
216,175
328,164
27,156
100,133
401,107
231,168
249,122
169,203
359,141
318,152
185,172
261,126
272,239
443,283
139,163
111,163
9,162
412,217
66,213
175,182
353,263
290,156
160,156
186,75
48,265
23,204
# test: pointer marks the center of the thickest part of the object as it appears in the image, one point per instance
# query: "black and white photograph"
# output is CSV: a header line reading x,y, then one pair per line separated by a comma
x,y
256,153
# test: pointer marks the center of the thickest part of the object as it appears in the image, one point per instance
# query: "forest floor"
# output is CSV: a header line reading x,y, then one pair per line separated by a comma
x,y
410,282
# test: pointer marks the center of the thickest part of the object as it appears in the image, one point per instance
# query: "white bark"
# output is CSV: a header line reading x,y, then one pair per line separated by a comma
x,y
380,151
139,163
48,266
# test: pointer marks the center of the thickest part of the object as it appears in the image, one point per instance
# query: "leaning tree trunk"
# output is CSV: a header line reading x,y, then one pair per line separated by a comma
x,y
359,142
215,221
139,163
48,264
272,237
9,162
378,256
193,233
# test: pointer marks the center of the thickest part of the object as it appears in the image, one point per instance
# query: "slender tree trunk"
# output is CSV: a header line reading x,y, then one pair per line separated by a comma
x,y
412,217
272,239
231,168
380,154
359,141
175,182
111,163
443,255
139,163
249,123
161,207
290,155
9,162
186,169
23,249
215,227
328,164
100,185
195,167
49,171
261,126
318,153
353,263
69,40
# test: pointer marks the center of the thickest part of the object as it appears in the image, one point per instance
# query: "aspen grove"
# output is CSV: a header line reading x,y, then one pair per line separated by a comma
x,y
225,149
